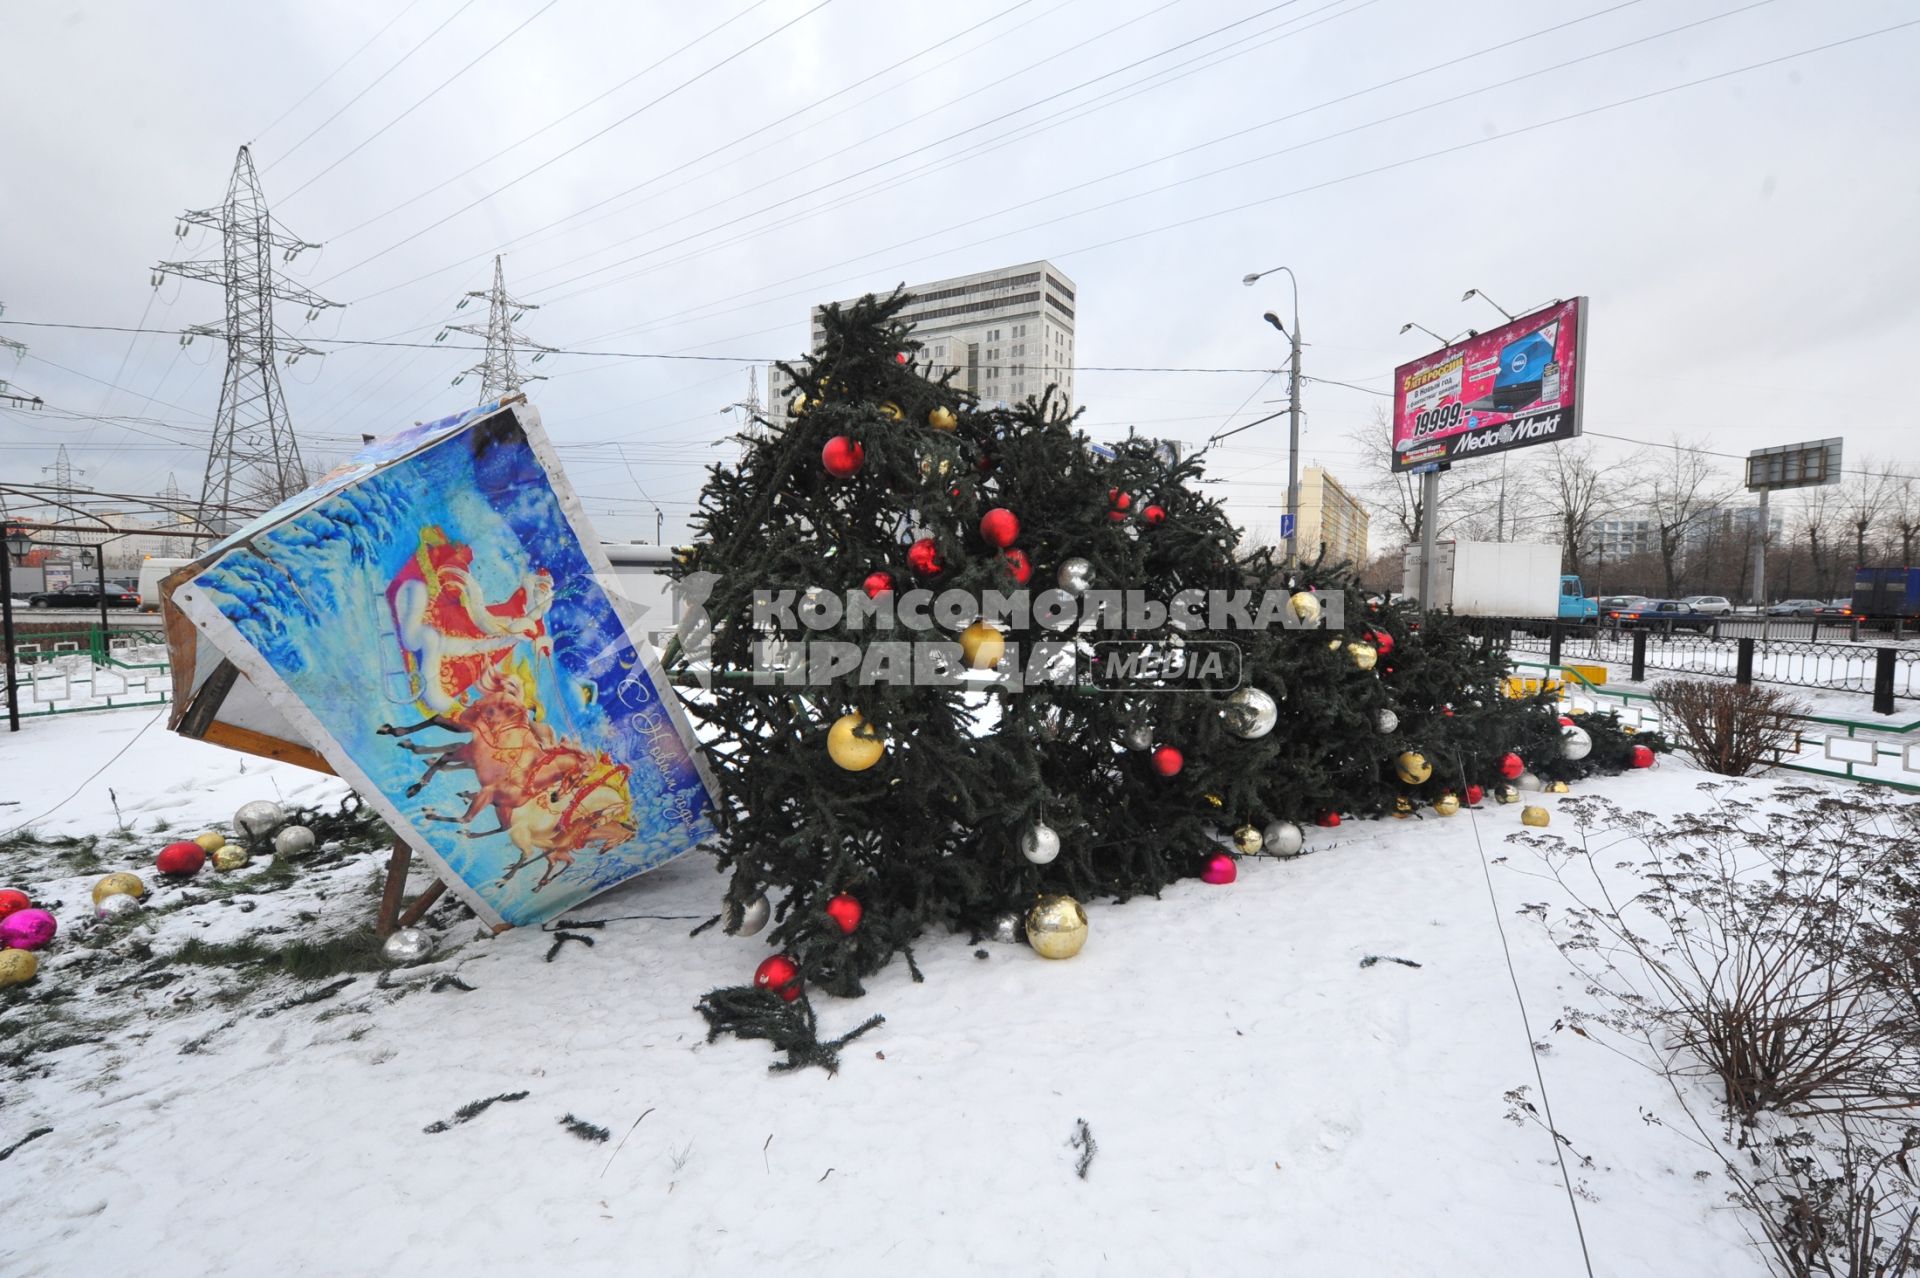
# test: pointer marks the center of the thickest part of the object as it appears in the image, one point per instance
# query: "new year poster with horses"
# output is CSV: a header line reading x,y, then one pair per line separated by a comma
x,y
434,621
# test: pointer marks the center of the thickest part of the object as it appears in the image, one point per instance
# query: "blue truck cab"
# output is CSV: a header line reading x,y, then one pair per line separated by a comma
x,y
1574,604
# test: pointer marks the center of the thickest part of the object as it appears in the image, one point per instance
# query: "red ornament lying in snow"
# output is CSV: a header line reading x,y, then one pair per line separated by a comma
x,y
779,974
1511,765
180,858
1641,757
1328,819
1474,795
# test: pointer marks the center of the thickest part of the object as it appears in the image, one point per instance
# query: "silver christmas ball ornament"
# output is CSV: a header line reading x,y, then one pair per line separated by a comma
x,y
408,945
1039,843
1010,929
1530,782
1138,737
1282,838
1076,575
295,840
256,818
1575,743
750,919
1250,713
120,905
1386,721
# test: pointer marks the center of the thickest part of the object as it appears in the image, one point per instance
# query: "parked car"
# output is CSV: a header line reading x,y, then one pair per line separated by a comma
x,y
1665,614
84,596
1712,605
1794,608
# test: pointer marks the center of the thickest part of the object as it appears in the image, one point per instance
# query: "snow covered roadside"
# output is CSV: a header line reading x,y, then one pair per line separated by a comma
x,y
1261,1102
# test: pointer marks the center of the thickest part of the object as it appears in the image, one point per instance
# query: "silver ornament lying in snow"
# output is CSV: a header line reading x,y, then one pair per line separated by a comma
x,y
1528,781
256,818
121,905
1039,844
1250,713
408,945
1009,929
1281,838
293,841
1574,742
745,922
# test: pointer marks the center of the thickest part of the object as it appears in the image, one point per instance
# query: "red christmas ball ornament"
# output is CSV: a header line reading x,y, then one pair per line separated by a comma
x,y
924,557
845,912
180,858
1019,565
1447,711
1167,761
1327,819
1154,515
1382,642
999,527
878,583
900,357
780,975
1219,869
1474,795
1641,756
843,457
1511,765
1566,721
11,900
1120,502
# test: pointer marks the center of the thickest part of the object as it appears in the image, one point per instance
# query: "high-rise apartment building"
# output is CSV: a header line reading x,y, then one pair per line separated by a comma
x,y
1004,334
1331,519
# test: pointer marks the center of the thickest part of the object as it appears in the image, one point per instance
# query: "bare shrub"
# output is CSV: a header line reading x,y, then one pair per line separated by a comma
x,y
1728,728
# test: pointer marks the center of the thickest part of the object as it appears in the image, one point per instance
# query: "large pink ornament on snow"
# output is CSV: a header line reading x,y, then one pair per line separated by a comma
x,y
27,929
1220,869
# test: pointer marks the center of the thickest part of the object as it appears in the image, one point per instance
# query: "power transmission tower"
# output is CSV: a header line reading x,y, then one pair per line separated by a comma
x,y
254,458
64,489
749,410
172,502
499,371
19,351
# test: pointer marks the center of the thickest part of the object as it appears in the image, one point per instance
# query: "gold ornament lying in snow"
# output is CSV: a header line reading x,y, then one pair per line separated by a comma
x,y
1056,927
1535,815
1447,804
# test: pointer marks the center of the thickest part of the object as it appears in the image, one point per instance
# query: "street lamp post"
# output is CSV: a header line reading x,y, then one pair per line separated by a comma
x,y
17,543
1293,407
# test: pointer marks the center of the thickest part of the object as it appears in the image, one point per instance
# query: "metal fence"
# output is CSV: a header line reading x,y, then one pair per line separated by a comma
x,y
63,671
1884,671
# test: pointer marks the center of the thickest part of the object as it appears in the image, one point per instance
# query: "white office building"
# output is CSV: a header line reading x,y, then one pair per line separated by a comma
x,y
1004,334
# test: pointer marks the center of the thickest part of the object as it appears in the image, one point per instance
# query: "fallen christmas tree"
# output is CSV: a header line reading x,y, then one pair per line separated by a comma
x,y
863,808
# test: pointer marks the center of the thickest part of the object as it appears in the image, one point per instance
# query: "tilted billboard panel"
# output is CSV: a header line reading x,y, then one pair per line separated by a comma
x,y
1516,385
431,619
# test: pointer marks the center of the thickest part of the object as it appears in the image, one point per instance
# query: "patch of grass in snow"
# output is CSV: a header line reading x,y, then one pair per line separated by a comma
x,y
306,960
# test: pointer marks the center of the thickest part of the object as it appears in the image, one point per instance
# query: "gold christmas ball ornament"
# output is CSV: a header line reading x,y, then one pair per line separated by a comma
x,y
231,858
1364,655
1402,808
797,405
1507,793
891,410
1056,927
1629,731
18,966
119,883
942,418
1559,787
1247,841
1305,606
1412,767
1447,804
1534,815
982,645
852,745
210,841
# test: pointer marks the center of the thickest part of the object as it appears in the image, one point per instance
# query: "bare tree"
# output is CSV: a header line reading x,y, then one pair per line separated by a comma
x,y
1578,492
1865,497
1468,497
1823,522
1903,512
1684,486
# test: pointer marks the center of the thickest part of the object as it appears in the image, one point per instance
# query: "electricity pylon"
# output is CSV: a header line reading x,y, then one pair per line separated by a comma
x,y
499,371
253,460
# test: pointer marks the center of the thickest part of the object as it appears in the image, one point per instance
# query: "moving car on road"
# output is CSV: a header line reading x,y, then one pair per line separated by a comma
x,y
1834,610
1794,608
1664,614
84,596
1712,605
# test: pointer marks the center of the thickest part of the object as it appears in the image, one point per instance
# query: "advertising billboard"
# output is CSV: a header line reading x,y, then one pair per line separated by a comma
x,y
1515,385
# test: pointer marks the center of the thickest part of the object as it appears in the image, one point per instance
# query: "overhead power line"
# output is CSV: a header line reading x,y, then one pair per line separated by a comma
x,y
327,79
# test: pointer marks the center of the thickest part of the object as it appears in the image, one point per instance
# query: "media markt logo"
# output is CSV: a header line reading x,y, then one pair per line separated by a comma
x,y
1509,433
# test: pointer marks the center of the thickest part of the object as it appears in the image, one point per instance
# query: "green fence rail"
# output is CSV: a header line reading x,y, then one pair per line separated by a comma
x,y
1868,744
75,671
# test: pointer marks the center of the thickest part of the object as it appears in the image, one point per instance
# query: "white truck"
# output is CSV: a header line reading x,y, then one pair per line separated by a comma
x,y
1499,579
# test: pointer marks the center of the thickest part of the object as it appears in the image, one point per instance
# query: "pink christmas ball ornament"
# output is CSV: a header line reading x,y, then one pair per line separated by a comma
x,y
1220,869
27,929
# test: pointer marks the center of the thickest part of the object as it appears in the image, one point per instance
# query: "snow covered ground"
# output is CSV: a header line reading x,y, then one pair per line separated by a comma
x,y
1261,1102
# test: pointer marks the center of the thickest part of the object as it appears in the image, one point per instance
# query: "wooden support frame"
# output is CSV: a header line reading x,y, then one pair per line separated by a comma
x,y
394,890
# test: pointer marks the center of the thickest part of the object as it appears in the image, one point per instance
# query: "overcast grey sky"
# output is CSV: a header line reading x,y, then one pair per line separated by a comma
x,y
1748,243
